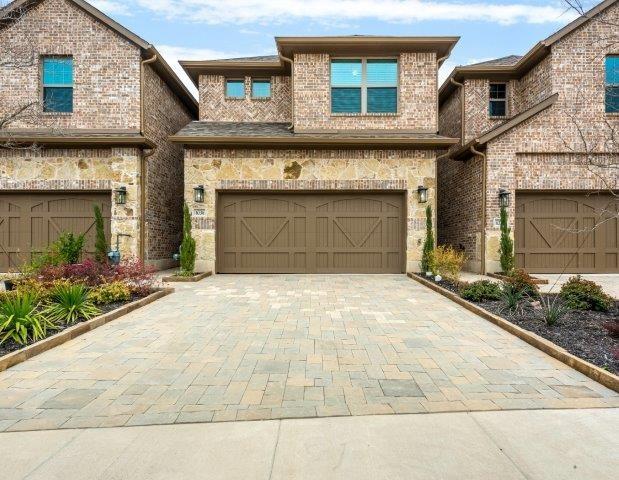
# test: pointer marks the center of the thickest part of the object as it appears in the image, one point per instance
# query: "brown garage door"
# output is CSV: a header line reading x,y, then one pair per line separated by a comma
x,y
310,233
554,230
29,222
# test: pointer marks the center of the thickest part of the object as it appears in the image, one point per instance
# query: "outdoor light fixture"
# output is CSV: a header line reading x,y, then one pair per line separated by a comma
x,y
120,195
198,194
504,198
422,193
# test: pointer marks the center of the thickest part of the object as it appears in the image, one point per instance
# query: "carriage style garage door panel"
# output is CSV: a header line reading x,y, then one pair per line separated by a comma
x,y
310,233
554,229
29,222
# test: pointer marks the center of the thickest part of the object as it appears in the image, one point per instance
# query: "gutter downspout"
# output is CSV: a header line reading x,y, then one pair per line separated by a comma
x,y
439,62
291,62
143,156
484,170
461,86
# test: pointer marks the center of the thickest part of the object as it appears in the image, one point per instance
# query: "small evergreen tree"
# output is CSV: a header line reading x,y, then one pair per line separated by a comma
x,y
428,244
100,241
506,247
188,245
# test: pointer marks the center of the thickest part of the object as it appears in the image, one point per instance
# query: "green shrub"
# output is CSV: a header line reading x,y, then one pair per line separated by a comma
x,y
110,293
481,290
20,320
581,294
523,282
552,309
448,262
511,296
69,303
100,241
69,247
188,246
428,244
506,246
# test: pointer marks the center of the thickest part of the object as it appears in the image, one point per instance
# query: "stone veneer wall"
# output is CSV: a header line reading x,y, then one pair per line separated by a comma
x,y
106,92
216,107
417,92
164,115
254,169
74,170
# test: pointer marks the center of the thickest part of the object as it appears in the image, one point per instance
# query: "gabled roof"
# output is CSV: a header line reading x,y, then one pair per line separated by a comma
x,y
344,45
277,134
503,69
148,50
479,142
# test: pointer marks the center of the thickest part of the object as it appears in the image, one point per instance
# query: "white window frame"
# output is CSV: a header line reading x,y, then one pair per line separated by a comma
x,y
506,99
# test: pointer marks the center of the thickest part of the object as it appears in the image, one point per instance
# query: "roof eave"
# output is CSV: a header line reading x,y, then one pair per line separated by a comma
x,y
69,141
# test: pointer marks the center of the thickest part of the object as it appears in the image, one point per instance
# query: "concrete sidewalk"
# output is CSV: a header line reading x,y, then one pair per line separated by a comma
x,y
534,444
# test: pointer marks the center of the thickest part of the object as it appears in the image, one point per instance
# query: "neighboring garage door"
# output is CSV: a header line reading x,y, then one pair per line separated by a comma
x,y
310,233
554,230
29,222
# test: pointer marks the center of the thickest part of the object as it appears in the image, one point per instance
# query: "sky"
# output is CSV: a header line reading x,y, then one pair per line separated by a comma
x,y
211,29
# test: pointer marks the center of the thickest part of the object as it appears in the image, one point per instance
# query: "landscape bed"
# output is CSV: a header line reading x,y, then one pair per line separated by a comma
x,y
580,332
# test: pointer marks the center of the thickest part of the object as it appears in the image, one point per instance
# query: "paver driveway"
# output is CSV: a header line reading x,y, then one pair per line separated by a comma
x,y
277,346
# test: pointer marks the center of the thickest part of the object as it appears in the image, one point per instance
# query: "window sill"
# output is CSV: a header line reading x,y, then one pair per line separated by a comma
x,y
502,117
365,114
260,99
57,114
235,98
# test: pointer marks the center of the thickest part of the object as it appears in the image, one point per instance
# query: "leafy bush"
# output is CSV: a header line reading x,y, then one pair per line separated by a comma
x,y
581,294
100,241
428,244
19,319
523,282
511,296
552,309
69,247
481,290
448,262
188,246
69,303
506,246
110,293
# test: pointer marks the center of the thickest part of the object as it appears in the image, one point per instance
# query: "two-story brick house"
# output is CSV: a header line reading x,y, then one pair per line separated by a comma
x,y
312,160
542,128
102,103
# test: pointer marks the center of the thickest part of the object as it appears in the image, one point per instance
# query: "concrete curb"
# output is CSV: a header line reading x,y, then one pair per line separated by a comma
x,y
70,333
194,278
596,373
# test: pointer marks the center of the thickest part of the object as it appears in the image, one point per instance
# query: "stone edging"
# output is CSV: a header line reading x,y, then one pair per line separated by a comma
x,y
194,278
596,373
70,333
535,280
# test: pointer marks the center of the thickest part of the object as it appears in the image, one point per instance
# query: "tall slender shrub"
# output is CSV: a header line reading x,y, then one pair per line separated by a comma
x,y
428,244
506,247
100,241
188,245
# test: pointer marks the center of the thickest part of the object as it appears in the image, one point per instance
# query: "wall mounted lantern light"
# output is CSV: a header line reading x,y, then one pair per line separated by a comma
x,y
422,193
198,194
120,195
504,198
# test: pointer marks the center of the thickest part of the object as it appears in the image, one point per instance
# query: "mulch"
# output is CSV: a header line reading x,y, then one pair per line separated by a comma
x,y
580,332
10,346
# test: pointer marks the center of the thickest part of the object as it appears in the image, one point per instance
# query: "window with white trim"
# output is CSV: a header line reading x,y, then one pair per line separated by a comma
x,y
497,106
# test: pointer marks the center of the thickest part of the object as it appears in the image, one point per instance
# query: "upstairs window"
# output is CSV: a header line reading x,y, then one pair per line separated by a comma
x,y
58,84
261,89
364,86
498,100
235,88
612,84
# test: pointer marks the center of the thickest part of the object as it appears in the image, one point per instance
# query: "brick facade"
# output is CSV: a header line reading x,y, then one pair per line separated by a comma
x,y
214,105
321,170
546,152
106,97
417,90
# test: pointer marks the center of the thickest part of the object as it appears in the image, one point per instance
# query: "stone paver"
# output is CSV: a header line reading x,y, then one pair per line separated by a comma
x,y
254,347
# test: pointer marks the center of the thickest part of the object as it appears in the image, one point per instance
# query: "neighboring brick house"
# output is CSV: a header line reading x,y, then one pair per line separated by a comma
x,y
544,128
310,161
104,104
